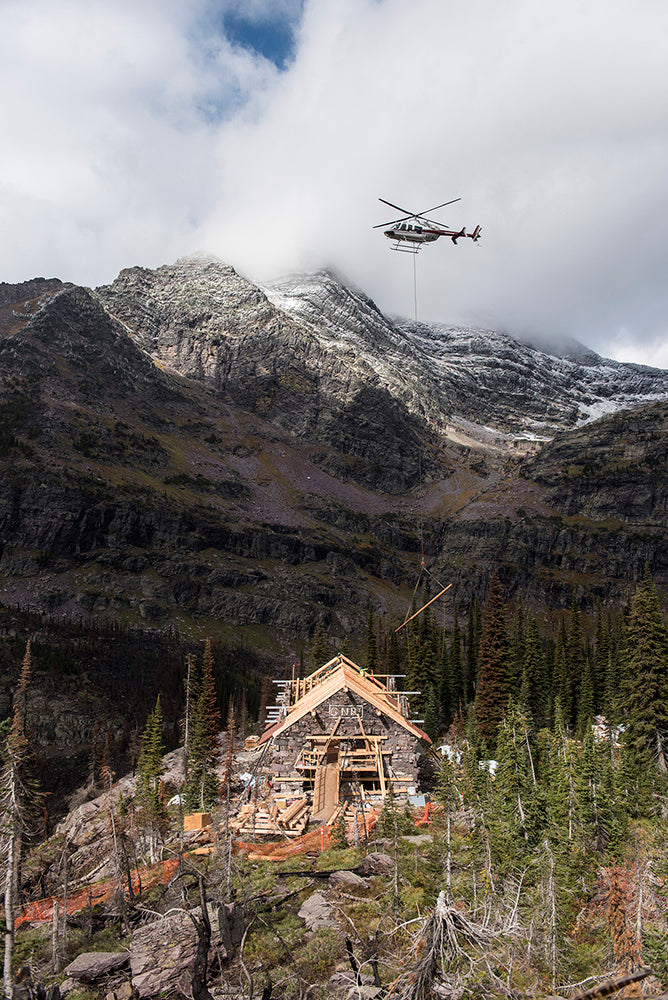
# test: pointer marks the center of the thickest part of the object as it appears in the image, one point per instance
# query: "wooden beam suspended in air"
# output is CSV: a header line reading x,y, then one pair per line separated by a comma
x,y
423,607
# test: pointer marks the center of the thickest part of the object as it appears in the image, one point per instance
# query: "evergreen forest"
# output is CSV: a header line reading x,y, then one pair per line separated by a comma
x,y
541,867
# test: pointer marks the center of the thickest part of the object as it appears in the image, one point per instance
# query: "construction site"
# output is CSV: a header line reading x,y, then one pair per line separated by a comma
x,y
335,743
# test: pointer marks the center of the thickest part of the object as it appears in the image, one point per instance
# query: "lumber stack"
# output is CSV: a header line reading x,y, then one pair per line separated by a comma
x,y
269,821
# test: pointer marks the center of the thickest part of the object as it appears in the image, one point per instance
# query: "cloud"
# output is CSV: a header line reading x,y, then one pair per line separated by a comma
x,y
109,114
549,121
143,130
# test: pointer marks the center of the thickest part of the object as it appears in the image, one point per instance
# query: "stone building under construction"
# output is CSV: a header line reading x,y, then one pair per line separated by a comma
x,y
339,735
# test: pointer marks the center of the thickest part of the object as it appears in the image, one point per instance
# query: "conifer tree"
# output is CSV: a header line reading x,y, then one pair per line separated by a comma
x,y
585,715
457,691
265,695
446,702
413,670
518,798
371,660
575,658
557,768
634,779
430,724
393,653
150,768
447,794
595,806
19,803
646,675
561,681
192,682
601,657
201,785
230,741
473,637
517,647
493,688
534,694
209,705
320,650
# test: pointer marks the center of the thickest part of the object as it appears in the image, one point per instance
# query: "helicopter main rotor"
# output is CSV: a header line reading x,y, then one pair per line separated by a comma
x,y
413,215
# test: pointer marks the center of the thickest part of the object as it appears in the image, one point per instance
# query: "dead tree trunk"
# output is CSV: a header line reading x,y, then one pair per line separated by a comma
x,y
203,927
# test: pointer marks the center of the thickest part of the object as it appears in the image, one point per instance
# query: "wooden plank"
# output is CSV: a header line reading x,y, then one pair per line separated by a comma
x,y
326,794
293,810
381,771
423,607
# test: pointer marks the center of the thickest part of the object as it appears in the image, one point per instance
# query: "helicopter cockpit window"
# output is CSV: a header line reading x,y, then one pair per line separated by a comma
x,y
418,229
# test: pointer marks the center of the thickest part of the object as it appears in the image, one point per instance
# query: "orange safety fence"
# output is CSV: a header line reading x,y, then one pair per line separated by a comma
x,y
279,850
100,892
316,841
143,878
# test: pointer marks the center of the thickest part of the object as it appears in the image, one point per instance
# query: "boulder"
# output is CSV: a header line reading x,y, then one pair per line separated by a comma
x,y
377,864
348,880
163,954
162,957
123,992
92,965
317,912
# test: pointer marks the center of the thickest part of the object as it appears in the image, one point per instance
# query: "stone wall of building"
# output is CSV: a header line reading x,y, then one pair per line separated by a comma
x,y
346,710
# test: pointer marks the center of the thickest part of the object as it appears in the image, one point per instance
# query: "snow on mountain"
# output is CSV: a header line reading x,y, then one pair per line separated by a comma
x,y
468,376
304,349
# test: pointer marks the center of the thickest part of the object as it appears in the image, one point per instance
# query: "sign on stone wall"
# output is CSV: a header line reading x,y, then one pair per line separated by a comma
x,y
346,711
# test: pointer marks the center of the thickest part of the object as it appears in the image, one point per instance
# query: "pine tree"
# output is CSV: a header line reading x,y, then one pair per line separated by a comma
x,y
320,650
457,692
597,820
430,724
150,768
561,681
518,648
601,657
575,659
209,705
559,768
230,741
646,675
534,693
192,682
371,660
518,798
447,794
447,705
625,946
265,695
473,637
493,689
19,805
585,714
201,785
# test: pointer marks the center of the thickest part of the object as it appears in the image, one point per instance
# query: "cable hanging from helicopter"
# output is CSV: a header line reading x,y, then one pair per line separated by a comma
x,y
413,229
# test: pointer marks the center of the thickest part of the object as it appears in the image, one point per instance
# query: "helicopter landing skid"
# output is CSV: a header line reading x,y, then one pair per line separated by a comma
x,y
406,249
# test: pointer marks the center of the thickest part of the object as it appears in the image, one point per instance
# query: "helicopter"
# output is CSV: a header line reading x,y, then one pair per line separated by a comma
x,y
413,229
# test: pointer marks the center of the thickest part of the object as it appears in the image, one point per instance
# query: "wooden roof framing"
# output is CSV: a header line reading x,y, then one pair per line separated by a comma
x,y
341,673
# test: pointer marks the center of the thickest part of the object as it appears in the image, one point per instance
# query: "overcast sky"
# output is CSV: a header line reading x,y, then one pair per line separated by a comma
x,y
264,131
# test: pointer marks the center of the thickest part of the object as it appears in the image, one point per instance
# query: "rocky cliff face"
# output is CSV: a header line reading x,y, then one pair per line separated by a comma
x,y
319,359
185,448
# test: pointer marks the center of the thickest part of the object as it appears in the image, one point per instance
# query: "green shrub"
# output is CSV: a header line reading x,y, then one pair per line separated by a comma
x,y
320,953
